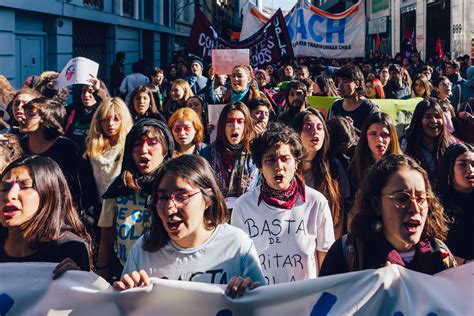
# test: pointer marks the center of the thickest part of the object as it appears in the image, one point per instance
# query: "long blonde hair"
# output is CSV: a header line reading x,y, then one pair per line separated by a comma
x,y
97,141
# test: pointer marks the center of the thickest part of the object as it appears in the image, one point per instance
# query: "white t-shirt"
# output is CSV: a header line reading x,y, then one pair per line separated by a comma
x,y
286,240
227,253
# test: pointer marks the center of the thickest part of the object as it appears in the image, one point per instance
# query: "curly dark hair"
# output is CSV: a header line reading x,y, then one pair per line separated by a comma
x,y
274,134
364,212
52,113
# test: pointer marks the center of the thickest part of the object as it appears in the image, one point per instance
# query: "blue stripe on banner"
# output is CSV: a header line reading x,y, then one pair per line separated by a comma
x,y
324,304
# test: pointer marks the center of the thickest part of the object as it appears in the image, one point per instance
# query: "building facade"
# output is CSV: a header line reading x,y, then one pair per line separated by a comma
x,y
43,35
405,24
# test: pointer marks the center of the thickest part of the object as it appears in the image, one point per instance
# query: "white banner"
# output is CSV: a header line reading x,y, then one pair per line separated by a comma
x,y
77,71
27,289
253,21
318,33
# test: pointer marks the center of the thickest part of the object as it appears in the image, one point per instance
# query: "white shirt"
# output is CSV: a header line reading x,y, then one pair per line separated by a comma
x,y
286,240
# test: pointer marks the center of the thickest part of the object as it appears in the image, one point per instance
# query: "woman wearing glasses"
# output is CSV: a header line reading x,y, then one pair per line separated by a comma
x,y
188,132
396,219
189,239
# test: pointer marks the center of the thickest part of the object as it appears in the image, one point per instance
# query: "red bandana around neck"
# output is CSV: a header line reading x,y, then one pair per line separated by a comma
x,y
285,199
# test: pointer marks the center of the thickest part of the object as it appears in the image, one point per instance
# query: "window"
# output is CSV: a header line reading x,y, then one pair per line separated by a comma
x,y
128,8
148,9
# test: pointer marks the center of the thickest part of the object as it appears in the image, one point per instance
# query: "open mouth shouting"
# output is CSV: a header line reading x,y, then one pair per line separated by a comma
x,y
412,226
173,224
9,211
235,137
144,162
315,140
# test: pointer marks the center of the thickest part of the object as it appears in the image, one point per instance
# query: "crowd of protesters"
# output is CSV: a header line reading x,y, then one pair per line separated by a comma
x,y
126,182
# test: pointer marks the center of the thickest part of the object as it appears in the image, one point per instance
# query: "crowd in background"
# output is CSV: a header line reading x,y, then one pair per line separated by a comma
x,y
126,181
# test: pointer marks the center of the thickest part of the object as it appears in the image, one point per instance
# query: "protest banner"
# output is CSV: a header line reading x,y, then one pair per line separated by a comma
x,y
27,289
318,33
269,45
400,111
253,21
214,111
77,71
224,60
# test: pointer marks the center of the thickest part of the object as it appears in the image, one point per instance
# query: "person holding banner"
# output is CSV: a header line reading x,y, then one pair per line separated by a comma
x,y
188,132
124,214
289,222
396,219
230,155
189,238
354,105
79,115
40,222
242,86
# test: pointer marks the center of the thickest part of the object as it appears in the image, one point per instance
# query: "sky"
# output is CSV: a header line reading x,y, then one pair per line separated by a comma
x,y
283,4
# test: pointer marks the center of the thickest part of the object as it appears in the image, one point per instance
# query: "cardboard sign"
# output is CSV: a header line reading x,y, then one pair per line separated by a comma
x,y
224,60
214,111
77,71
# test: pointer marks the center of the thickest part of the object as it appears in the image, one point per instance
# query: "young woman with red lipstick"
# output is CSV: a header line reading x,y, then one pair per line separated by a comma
x,y
396,219
378,138
289,222
189,238
229,156
322,171
40,222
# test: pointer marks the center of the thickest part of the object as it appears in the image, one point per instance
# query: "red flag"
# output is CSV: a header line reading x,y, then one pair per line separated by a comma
x,y
377,43
439,49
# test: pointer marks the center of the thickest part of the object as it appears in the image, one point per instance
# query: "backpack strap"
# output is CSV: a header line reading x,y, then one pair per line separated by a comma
x,y
352,248
447,257
348,250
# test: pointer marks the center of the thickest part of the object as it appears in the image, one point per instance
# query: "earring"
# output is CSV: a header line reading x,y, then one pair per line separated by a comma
x,y
377,226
